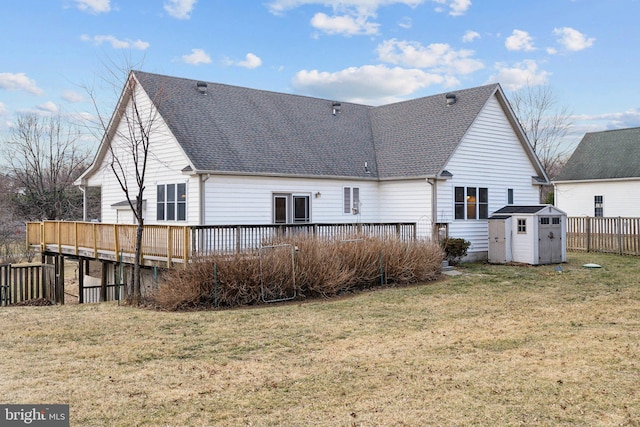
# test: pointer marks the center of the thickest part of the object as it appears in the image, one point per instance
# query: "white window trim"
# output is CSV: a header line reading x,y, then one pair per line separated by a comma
x,y
176,202
351,204
465,204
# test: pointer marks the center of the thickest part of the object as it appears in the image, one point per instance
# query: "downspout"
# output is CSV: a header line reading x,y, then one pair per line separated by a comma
x,y
434,207
203,213
84,202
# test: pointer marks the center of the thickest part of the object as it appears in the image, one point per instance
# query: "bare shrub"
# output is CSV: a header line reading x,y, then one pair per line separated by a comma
x,y
303,266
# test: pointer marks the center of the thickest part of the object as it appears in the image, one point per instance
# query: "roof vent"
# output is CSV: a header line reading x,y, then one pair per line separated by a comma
x,y
451,98
202,87
336,106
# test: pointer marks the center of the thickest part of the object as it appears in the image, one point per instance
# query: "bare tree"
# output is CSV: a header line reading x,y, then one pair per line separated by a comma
x,y
45,156
545,122
127,137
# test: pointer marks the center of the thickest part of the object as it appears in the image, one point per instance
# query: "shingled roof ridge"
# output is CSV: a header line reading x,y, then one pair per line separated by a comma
x,y
266,91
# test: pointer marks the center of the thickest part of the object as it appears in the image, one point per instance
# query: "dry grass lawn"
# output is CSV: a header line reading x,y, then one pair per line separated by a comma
x,y
497,345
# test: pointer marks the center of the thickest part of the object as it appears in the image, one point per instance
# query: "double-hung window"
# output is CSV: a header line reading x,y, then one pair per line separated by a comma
x,y
598,202
171,202
471,203
351,200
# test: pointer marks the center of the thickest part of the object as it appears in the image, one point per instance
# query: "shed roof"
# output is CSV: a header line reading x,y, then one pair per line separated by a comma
x,y
604,155
511,210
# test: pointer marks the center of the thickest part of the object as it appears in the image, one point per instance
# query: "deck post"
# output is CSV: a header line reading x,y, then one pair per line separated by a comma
x,y
185,246
95,242
103,282
116,240
59,239
75,237
169,246
80,281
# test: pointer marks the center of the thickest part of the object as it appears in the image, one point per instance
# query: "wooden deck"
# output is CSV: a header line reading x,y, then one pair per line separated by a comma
x,y
170,245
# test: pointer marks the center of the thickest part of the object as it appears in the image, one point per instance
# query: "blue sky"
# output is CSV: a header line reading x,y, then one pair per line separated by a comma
x,y
367,51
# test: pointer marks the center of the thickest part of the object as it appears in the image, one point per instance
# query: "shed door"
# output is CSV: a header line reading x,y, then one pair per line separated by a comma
x,y
497,241
550,240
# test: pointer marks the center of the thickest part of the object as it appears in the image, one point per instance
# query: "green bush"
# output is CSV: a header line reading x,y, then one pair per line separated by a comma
x,y
455,248
318,268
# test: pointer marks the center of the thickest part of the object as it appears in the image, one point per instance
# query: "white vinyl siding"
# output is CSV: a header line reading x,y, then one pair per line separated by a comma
x,y
621,197
249,200
165,165
489,156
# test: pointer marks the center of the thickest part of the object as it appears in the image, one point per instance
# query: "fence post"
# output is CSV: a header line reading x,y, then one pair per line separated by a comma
x,y
588,230
619,226
60,279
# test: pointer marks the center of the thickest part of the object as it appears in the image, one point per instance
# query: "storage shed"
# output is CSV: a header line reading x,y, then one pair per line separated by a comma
x,y
528,234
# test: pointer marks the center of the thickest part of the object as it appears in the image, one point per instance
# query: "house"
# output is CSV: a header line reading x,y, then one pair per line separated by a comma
x,y
225,155
528,234
602,176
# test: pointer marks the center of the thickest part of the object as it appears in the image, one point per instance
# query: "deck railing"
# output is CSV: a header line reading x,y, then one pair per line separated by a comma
x,y
177,244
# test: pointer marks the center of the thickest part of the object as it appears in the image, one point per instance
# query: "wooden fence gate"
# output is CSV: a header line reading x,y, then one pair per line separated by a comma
x,y
21,283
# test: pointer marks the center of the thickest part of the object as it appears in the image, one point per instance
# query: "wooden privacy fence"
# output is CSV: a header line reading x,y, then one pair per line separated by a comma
x,y
21,283
599,234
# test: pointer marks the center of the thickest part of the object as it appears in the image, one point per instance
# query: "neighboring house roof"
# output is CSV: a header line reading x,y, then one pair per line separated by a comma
x,y
611,154
230,129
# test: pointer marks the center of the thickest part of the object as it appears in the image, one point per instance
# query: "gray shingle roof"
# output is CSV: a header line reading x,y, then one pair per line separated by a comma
x,y
241,130
417,137
604,155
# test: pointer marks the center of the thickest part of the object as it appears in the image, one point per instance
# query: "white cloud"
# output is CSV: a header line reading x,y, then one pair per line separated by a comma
x,y
519,40
197,56
350,17
94,6
405,23
457,7
437,56
619,120
115,42
345,24
251,61
364,7
72,96
3,108
180,9
573,39
19,81
48,107
520,75
470,36
369,84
